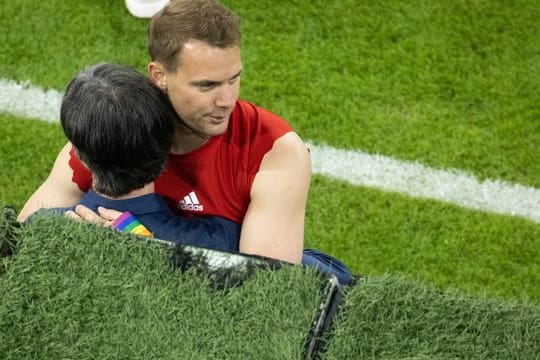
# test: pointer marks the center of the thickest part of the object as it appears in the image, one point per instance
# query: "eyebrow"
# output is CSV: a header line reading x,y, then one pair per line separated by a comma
x,y
211,82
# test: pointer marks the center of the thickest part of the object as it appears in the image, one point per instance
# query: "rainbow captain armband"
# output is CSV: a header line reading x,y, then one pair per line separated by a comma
x,y
129,223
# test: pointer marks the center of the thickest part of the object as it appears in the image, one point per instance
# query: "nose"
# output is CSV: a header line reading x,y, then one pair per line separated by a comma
x,y
226,96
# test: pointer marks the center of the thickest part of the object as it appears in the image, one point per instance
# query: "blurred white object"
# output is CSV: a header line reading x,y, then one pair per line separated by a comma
x,y
145,8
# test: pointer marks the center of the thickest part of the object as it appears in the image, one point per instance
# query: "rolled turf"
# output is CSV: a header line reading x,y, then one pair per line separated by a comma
x,y
394,318
76,291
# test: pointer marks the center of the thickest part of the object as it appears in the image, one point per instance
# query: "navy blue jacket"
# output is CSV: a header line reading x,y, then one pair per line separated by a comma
x,y
151,210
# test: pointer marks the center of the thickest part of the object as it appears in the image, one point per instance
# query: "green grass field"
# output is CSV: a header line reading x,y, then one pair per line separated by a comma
x,y
450,84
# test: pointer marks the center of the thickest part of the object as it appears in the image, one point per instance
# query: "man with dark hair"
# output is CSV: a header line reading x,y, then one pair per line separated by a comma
x,y
228,158
121,126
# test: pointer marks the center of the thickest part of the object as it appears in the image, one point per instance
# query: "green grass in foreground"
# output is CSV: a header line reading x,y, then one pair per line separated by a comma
x,y
8,234
393,318
76,291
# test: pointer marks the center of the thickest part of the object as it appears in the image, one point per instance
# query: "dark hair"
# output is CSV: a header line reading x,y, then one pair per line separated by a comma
x,y
120,125
183,20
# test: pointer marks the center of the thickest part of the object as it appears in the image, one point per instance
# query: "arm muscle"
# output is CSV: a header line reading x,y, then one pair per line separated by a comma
x,y
274,222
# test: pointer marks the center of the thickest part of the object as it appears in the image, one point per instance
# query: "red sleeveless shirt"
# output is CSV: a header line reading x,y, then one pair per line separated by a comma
x,y
216,178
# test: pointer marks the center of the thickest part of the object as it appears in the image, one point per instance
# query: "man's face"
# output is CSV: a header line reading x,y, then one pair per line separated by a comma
x,y
205,86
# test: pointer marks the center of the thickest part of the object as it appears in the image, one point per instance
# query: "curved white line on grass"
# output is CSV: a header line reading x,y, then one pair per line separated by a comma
x,y
354,167
416,180
23,99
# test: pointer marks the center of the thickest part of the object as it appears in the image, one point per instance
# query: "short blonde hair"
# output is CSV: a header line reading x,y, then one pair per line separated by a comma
x,y
184,20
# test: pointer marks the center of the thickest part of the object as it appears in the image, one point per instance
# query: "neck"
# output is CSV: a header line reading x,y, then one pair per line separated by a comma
x,y
186,140
145,190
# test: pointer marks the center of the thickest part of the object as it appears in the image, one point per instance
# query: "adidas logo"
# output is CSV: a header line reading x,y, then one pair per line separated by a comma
x,y
190,202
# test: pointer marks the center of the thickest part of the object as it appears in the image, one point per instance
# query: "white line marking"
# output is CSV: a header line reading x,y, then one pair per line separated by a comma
x,y
23,99
354,167
417,180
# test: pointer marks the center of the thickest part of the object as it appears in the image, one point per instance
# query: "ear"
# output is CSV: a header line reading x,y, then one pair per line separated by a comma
x,y
157,75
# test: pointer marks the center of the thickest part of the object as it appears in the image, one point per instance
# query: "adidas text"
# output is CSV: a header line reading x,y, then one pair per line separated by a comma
x,y
191,207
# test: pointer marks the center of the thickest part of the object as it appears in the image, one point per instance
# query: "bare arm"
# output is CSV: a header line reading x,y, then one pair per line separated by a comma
x,y
274,222
57,191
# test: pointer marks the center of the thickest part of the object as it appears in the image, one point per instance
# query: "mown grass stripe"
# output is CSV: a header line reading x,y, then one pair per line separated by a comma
x,y
353,166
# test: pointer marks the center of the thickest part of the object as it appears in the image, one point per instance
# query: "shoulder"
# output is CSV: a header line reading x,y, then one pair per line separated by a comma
x,y
291,143
258,120
256,129
288,151
254,133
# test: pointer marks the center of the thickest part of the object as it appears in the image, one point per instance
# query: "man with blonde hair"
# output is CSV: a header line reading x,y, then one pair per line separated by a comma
x,y
229,157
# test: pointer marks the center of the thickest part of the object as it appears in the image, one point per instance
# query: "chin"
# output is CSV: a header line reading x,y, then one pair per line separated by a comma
x,y
216,130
